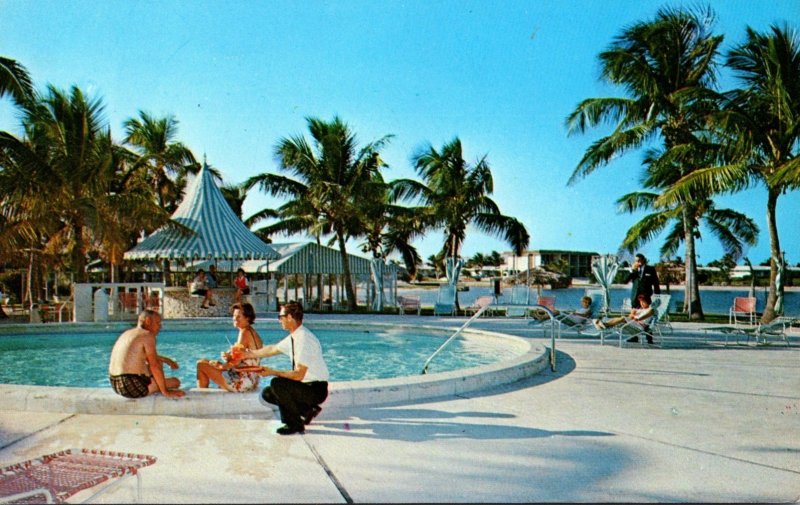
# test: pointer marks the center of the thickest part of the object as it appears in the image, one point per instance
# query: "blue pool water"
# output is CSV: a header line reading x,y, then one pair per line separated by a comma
x,y
368,352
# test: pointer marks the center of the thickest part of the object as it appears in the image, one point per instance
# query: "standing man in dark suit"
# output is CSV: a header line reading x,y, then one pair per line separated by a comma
x,y
645,280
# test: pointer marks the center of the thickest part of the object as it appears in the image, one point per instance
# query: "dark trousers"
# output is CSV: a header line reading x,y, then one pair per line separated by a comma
x,y
294,398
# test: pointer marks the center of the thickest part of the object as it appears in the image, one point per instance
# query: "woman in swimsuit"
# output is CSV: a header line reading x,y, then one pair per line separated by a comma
x,y
226,375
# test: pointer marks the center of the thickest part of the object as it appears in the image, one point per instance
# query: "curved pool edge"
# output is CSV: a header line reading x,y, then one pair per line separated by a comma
x,y
214,402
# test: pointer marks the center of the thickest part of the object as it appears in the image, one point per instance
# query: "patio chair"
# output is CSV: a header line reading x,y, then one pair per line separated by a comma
x,y
56,477
478,304
643,329
584,325
665,325
743,309
520,300
626,306
445,300
409,303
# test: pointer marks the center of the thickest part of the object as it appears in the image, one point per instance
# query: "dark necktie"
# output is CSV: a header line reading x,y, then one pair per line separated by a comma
x,y
292,351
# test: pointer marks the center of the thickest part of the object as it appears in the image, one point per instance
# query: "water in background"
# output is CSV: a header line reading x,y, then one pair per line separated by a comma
x,y
714,301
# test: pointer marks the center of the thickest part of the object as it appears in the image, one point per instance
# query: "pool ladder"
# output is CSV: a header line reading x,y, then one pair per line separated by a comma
x,y
477,315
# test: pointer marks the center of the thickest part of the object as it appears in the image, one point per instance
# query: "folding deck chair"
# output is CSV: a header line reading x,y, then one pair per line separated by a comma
x,y
56,477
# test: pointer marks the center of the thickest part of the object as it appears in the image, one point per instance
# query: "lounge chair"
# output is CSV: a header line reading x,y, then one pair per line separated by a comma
x,y
445,300
626,306
665,325
520,300
744,310
409,303
584,325
760,333
56,477
478,304
643,330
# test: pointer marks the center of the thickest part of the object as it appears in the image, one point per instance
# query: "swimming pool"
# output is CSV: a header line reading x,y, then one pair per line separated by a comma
x,y
79,357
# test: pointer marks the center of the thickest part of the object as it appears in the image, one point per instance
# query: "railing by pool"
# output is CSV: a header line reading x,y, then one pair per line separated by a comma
x,y
478,314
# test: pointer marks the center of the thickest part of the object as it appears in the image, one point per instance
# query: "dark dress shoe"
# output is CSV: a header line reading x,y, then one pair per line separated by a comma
x,y
311,414
633,339
290,430
650,340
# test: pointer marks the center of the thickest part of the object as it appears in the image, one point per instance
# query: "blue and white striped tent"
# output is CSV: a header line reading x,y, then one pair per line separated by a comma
x,y
296,258
219,233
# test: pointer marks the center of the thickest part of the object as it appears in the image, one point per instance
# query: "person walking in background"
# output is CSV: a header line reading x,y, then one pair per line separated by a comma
x,y
644,278
227,375
242,285
135,368
298,392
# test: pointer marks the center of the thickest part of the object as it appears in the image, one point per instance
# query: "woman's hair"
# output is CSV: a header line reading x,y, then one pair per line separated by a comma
x,y
645,298
240,270
247,310
587,299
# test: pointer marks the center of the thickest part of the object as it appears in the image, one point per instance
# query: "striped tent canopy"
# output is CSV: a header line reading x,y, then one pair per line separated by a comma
x,y
219,233
296,258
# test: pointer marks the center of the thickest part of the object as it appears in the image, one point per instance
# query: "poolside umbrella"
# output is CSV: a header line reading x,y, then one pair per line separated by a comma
x,y
779,281
452,269
376,267
605,269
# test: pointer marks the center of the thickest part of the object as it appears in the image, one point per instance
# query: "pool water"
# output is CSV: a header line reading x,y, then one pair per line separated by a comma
x,y
369,352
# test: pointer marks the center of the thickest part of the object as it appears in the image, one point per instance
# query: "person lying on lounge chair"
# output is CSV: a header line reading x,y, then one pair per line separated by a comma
x,y
641,315
580,315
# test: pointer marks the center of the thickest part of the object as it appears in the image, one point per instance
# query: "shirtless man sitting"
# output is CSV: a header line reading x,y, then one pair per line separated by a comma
x,y
135,369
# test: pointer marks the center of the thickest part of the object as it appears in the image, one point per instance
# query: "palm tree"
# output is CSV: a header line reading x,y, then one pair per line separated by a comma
x,y
760,125
733,229
456,195
15,81
163,161
332,174
388,227
65,173
667,67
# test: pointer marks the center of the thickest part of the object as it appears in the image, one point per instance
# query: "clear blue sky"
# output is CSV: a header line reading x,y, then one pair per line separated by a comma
x,y
501,76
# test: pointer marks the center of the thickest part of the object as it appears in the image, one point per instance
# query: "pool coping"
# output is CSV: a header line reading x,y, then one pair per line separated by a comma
x,y
215,402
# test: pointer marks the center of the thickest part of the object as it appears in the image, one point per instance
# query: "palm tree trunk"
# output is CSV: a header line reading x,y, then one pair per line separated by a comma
x,y
348,279
79,253
775,250
692,303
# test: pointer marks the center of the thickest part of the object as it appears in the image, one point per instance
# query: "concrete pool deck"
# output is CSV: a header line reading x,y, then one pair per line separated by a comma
x,y
609,425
